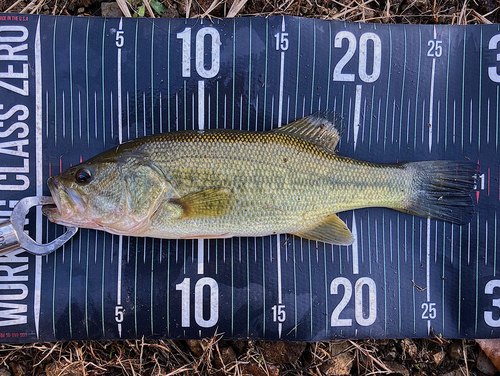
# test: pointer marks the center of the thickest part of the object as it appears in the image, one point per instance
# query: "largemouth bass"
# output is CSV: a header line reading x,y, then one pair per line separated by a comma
x,y
225,183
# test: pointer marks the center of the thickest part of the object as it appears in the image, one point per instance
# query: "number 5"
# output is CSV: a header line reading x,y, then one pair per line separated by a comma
x,y
119,39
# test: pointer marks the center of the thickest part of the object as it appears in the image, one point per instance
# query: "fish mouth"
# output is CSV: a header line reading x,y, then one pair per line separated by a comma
x,y
66,202
53,211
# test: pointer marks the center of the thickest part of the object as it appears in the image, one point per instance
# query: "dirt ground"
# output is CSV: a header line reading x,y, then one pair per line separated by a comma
x,y
434,356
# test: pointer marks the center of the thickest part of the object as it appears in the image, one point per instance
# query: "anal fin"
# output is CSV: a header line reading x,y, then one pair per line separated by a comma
x,y
331,230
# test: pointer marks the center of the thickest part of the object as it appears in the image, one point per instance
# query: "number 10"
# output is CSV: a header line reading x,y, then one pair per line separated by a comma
x,y
214,35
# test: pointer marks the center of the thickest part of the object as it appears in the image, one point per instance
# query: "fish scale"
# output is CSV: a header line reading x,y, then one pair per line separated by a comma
x,y
220,183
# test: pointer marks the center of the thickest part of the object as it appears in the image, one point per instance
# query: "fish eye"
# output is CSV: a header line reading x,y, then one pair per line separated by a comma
x,y
83,176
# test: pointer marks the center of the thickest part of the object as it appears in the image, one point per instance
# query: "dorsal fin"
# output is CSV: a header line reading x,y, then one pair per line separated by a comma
x,y
318,128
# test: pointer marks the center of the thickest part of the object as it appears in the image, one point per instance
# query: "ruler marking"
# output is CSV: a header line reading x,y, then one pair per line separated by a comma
x,y
413,269
388,86
39,175
438,120
55,84
431,97
248,288
234,71
485,243
497,116
470,121
402,97
297,71
111,117
326,293
357,114
329,65
144,131
86,282
135,283
436,242
447,92
168,286
103,86
495,248
310,288
443,276
385,272
423,122
264,285
54,272
119,307
70,288
313,63
79,114
119,90
232,287
393,120
87,80
71,75
463,89
152,286
428,237
459,280
477,276
265,79
418,86
119,287
428,270
278,266
390,238
102,281
364,122
355,249
369,242
63,114
282,73
399,277
480,97
378,119
488,123
152,73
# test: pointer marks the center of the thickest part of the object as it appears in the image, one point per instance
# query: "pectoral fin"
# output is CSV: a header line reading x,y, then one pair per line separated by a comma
x,y
209,203
331,230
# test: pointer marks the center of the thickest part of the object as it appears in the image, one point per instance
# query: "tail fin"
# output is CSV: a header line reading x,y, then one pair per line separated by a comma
x,y
442,190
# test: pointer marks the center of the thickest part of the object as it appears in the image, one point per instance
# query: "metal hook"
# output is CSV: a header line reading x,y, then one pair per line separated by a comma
x,y
12,233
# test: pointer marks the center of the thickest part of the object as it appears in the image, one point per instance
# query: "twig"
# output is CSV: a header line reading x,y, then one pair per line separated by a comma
x,y
236,7
13,6
212,6
481,18
463,15
378,362
28,7
123,5
38,6
148,6
188,7
464,351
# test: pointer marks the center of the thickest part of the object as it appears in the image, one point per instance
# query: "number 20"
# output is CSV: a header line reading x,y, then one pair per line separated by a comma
x,y
358,301
363,56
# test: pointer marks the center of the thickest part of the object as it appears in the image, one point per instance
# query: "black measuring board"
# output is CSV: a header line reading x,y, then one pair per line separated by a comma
x,y
73,87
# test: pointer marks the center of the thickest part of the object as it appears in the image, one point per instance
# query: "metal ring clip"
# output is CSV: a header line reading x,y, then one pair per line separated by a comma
x,y
12,233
